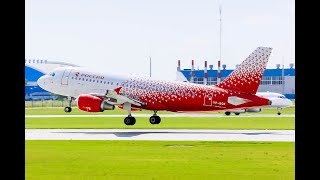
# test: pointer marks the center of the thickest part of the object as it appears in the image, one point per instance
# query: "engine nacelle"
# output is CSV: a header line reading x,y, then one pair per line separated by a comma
x,y
238,111
253,110
91,103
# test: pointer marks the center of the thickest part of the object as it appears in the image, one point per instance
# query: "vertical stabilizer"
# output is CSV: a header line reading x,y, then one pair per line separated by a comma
x,y
246,78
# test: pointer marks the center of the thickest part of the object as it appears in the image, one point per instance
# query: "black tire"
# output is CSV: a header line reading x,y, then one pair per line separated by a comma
x,y
158,119
237,113
279,114
227,113
67,109
129,120
153,119
133,120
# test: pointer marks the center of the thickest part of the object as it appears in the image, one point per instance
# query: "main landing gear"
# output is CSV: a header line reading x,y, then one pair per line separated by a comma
x,y
130,120
227,113
155,119
68,108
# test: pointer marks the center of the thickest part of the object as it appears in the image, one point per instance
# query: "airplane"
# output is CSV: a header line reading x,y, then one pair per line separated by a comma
x,y
96,92
278,101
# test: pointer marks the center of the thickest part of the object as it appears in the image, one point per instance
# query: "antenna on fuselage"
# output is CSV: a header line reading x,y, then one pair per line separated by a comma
x,y
150,66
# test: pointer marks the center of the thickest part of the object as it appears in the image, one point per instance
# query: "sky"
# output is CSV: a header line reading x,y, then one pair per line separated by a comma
x,y
120,36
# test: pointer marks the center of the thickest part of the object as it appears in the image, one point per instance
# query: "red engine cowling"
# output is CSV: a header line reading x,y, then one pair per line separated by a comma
x,y
91,103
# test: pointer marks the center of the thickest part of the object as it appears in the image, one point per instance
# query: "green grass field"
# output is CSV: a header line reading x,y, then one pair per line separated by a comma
x,y
166,123
226,122
94,160
75,110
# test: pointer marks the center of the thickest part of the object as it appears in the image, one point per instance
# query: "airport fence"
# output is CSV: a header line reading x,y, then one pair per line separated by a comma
x,y
49,103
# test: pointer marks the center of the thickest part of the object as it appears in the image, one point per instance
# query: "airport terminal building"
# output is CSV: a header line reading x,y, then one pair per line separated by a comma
x,y
34,69
279,80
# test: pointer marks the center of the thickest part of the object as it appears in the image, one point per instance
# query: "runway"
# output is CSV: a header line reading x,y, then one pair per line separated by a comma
x,y
161,115
160,134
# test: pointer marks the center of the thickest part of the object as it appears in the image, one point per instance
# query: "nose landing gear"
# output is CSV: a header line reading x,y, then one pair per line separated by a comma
x,y
279,113
68,108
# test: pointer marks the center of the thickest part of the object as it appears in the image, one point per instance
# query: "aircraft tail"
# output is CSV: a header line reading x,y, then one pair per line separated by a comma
x,y
246,78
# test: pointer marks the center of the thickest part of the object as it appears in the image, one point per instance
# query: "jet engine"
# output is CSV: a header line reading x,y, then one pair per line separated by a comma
x,y
253,110
238,111
91,103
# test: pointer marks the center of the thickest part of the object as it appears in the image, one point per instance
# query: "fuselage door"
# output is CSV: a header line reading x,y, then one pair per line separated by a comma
x,y
65,76
207,100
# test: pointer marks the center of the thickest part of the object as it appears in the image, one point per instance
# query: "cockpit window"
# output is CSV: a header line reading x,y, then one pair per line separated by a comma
x,y
51,74
282,97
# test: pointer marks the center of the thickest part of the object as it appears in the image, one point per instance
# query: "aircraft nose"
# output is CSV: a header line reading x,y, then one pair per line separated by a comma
x,y
42,82
289,102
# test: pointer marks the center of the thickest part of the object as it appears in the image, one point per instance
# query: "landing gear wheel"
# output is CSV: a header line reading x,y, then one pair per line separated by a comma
x,y
129,120
279,114
237,114
67,109
155,119
227,113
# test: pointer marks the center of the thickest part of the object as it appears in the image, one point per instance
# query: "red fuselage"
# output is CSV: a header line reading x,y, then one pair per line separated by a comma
x,y
180,96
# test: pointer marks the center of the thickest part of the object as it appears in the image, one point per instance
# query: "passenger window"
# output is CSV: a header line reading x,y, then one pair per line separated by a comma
x,y
90,80
86,79
111,83
104,82
108,82
76,78
72,78
100,81
82,79
93,80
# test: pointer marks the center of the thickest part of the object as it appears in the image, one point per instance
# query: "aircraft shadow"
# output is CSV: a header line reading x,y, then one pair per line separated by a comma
x,y
132,134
